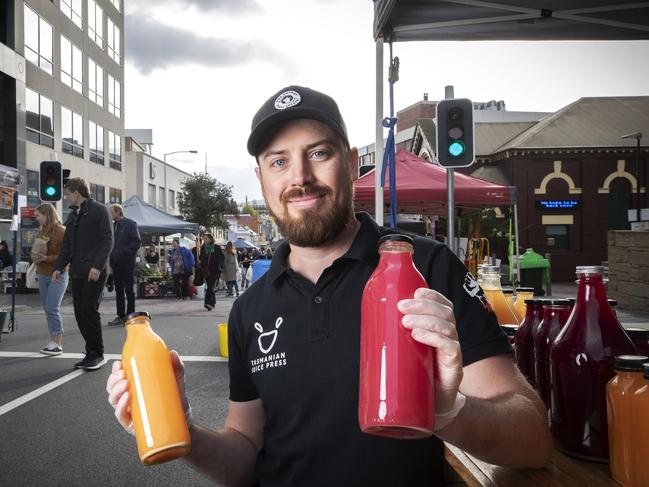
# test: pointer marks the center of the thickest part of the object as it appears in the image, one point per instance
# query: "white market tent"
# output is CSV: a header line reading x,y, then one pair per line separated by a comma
x,y
476,20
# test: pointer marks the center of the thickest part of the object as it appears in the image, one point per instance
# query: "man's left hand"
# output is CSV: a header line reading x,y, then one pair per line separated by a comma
x,y
430,317
94,274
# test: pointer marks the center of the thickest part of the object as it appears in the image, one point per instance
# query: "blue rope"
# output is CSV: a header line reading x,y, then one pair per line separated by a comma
x,y
388,156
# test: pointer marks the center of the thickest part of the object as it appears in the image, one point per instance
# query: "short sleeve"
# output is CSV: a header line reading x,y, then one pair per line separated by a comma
x,y
241,386
478,329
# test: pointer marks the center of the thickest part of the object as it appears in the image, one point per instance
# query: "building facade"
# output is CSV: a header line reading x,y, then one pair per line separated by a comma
x,y
145,176
62,78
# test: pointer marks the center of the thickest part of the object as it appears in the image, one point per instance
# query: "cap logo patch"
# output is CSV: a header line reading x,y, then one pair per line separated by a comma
x,y
287,99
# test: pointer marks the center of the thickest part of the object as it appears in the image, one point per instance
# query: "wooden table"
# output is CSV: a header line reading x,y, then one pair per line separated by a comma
x,y
562,471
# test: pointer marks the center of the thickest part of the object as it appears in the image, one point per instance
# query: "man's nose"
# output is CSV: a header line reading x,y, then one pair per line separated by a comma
x,y
302,172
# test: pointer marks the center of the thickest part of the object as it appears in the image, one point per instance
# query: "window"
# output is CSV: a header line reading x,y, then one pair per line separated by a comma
x,y
72,9
33,183
114,96
71,65
96,23
96,137
172,199
95,83
112,36
152,194
115,195
38,41
557,237
116,4
40,128
71,133
115,151
98,193
161,197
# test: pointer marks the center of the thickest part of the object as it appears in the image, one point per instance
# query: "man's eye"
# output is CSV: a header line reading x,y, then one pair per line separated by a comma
x,y
279,162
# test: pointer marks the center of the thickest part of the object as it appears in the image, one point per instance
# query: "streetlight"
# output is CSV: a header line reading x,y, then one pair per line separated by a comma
x,y
164,157
637,136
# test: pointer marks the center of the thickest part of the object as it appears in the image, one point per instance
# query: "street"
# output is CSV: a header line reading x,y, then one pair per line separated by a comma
x,y
56,426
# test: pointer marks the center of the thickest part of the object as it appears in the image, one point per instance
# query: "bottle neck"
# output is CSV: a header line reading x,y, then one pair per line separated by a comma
x,y
591,287
491,281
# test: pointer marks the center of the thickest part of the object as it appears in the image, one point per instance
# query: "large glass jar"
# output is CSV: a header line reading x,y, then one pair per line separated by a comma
x,y
494,294
581,363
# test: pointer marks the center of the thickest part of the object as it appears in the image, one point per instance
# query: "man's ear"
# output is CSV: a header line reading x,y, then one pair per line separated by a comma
x,y
352,156
258,173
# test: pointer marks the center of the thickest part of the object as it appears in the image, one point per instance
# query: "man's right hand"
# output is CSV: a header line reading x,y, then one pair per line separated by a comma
x,y
56,276
120,399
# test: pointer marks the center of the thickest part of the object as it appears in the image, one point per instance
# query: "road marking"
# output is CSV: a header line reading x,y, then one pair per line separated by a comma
x,y
107,356
39,392
72,375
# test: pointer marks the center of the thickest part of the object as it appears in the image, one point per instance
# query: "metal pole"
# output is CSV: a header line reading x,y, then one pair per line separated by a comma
x,y
12,323
378,140
206,163
518,257
164,164
637,179
450,191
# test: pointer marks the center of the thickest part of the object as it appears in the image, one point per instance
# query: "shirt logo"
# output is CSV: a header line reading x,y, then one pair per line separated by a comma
x,y
266,341
474,290
287,99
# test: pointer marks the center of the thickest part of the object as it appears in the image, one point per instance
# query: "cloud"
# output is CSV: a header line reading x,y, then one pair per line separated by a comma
x,y
152,45
231,6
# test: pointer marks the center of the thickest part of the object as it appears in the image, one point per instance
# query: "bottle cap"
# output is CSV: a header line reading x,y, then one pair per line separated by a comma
x,y
534,302
556,302
136,314
630,363
645,370
612,302
491,268
510,330
572,301
508,290
524,289
396,237
590,269
637,334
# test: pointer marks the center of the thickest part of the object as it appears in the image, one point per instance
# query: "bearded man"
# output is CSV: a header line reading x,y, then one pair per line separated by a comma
x,y
294,336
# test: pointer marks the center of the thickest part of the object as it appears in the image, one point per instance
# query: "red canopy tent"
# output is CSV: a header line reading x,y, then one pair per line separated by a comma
x,y
421,188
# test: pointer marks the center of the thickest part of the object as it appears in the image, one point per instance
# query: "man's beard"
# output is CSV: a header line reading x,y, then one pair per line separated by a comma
x,y
315,226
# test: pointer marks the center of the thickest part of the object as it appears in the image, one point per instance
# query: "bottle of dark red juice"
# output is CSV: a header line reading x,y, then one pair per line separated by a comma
x,y
555,314
581,363
523,340
396,390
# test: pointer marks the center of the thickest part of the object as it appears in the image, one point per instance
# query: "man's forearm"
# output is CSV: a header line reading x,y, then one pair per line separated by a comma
x,y
226,457
509,430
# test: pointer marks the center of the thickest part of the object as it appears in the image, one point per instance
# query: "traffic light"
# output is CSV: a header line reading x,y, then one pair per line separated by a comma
x,y
455,135
51,181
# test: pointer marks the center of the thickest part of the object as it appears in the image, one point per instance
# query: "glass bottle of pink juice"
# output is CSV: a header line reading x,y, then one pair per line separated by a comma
x,y
396,390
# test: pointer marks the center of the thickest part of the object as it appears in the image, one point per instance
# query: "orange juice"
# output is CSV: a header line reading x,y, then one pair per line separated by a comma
x,y
621,428
640,419
522,293
494,294
158,417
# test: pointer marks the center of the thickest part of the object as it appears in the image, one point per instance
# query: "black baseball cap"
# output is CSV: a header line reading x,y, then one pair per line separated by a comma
x,y
291,103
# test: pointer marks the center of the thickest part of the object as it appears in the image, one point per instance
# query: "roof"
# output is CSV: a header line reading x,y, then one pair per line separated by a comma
x,y
588,122
488,135
151,220
454,20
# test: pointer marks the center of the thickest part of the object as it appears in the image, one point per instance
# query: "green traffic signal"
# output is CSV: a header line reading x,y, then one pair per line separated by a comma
x,y
456,148
50,191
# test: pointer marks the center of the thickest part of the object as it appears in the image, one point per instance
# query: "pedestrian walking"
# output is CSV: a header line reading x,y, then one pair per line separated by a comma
x,y
122,262
45,251
231,267
182,267
87,243
211,263
245,261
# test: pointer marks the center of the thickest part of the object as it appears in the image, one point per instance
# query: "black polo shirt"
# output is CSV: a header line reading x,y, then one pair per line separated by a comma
x,y
296,345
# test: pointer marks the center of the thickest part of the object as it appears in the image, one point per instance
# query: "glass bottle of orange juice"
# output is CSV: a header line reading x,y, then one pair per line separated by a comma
x,y
494,294
640,419
522,294
620,394
158,417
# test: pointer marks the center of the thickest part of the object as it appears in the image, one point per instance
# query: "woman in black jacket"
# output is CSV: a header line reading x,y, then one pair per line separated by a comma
x,y
211,260
5,255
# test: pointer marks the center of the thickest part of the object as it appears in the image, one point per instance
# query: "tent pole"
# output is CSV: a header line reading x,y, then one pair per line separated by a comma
x,y
518,263
378,143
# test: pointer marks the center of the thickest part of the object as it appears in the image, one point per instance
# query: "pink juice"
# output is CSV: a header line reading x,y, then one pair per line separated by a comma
x,y
524,342
396,390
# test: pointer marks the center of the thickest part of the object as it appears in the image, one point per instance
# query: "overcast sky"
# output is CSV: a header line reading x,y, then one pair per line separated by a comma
x,y
197,71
